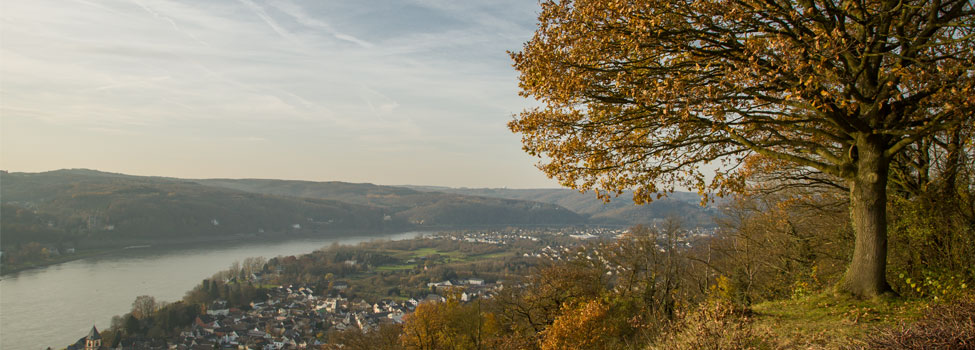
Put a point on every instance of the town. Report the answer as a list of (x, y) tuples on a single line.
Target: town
[(293, 317), (302, 315)]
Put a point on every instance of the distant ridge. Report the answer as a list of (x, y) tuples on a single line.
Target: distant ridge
[(82, 205), (620, 210), (422, 208), (423, 202)]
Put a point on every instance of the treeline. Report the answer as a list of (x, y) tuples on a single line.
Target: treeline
[(153, 322), (31, 239), (150, 322), (25, 225)]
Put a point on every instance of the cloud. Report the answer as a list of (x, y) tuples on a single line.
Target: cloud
[(353, 40), (379, 75), (171, 23), (267, 19), (378, 103), (304, 18)]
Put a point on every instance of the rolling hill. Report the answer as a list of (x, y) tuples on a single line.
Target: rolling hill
[(86, 204), (424, 203), (418, 207), (619, 211), (81, 204), (91, 205)]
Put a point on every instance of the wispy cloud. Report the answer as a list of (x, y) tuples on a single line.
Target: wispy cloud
[(259, 11), (302, 17), (171, 22), (379, 80)]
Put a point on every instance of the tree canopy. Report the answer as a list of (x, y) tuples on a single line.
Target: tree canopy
[(648, 94)]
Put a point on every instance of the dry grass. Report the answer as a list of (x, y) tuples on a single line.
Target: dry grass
[(827, 321), (821, 321), (714, 326), (947, 326)]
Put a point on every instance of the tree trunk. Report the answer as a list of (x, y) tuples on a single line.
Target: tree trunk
[(867, 274)]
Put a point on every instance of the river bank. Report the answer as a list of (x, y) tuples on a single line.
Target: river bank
[(101, 247), (54, 305)]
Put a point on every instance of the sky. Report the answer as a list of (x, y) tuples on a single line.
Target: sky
[(388, 92)]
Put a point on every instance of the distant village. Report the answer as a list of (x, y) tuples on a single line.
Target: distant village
[(556, 249), (293, 317), (297, 316)]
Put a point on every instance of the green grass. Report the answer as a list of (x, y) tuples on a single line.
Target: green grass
[(395, 267), (422, 252), (827, 321), (449, 256), (419, 253), (490, 256)]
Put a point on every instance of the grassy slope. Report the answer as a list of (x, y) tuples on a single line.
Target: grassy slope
[(825, 321)]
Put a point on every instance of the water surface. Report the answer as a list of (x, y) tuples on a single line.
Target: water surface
[(55, 305)]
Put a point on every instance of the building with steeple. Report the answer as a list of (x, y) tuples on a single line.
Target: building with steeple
[(92, 341)]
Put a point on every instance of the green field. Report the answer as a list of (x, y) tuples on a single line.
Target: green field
[(395, 267)]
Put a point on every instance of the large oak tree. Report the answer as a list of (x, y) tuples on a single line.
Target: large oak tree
[(637, 94)]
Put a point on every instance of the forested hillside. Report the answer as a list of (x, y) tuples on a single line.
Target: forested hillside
[(417, 207), (75, 205), (445, 205), (620, 210)]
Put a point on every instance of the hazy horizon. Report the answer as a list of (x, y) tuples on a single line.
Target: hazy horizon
[(285, 179), (394, 92)]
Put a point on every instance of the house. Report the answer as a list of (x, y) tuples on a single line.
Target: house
[(396, 316), (412, 304), (434, 298), (92, 341)]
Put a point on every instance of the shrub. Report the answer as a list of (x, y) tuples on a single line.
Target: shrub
[(714, 325), (933, 283), (932, 244)]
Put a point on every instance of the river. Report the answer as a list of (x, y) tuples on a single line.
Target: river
[(55, 305)]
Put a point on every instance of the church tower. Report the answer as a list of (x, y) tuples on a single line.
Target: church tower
[(94, 340)]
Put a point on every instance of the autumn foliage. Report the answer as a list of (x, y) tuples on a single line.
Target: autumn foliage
[(649, 95), (582, 325), (449, 325)]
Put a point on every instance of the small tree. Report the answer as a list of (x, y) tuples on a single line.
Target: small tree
[(641, 94), (144, 307)]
